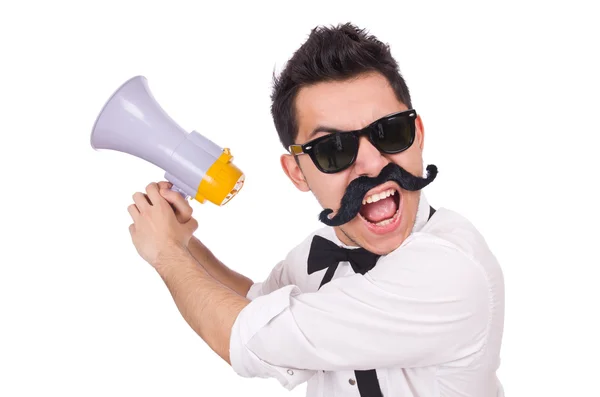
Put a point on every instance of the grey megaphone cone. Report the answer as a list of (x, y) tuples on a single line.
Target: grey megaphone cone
[(132, 122)]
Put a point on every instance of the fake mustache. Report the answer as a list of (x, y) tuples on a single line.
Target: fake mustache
[(356, 190)]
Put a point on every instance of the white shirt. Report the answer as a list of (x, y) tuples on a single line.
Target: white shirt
[(428, 317)]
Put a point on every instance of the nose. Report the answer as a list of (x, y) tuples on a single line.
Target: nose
[(369, 160)]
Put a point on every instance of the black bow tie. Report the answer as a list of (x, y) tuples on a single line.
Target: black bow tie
[(325, 254)]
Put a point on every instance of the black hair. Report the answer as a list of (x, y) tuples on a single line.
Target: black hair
[(334, 53)]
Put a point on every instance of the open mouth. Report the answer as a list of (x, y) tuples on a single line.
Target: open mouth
[(381, 209)]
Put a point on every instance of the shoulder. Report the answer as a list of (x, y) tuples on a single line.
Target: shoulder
[(447, 255), (450, 228)]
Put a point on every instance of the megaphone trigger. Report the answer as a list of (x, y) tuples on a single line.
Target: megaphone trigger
[(181, 192)]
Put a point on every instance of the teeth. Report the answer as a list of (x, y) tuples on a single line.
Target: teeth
[(378, 196), (383, 223)]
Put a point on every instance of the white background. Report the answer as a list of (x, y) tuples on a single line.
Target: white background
[(508, 92)]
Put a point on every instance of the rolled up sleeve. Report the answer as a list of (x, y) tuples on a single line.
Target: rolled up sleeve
[(251, 321), (424, 304)]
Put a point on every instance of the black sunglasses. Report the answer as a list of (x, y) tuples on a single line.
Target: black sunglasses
[(337, 151)]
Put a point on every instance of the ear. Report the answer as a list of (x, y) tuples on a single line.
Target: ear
[(420, 132), (293, 171)]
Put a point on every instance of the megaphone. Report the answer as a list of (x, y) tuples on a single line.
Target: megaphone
[(132, 122)]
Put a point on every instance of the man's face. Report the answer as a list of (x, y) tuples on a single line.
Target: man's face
[(352, 105)]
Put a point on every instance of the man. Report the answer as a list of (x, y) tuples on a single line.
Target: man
[(392, 297)]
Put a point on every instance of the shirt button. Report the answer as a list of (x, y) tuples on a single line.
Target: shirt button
[(289, 371), (351, 381)]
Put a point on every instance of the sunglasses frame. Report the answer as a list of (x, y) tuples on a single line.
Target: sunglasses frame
[(308, 147)]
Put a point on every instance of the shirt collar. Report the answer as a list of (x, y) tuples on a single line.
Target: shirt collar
[(422, 213)]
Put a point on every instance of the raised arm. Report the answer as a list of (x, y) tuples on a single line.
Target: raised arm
[(217, 269), (207, 305)]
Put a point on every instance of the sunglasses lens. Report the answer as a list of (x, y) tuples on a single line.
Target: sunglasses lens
[(335, 152), (394, 134)]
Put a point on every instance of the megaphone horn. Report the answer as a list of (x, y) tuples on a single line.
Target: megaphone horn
[(133, 122)]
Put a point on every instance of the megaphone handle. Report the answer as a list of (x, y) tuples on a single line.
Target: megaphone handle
[(174, 182), (181, 192)]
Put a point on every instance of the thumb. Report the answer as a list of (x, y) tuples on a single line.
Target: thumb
[(164, 185), (182, 207)]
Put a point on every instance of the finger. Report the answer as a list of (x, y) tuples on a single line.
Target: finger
[(164, 185), (131, 228), (153, 194), (141, 201), (133, 211), (181, 206)]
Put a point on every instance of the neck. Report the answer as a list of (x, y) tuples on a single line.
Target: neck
[(344, 237)]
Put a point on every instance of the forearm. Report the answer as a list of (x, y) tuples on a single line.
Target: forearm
[(207, 306), (237, 282)]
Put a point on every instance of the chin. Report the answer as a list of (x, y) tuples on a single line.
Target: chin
[(382, 244)]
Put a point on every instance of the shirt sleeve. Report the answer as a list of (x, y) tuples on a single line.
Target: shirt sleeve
[(273, 282), (282, 274), (426, 303)]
